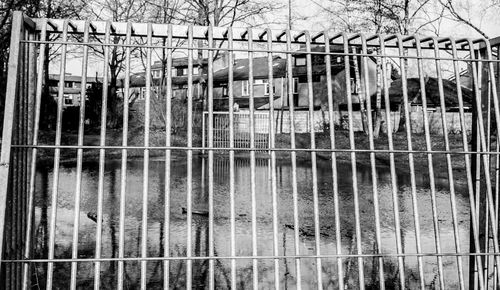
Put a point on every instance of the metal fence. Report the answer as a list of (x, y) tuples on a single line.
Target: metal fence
[(332, 210)]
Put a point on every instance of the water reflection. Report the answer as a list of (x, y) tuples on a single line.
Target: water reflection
[(177, 226)]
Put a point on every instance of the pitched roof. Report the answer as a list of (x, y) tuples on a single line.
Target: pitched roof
[(73, 78), (317, 69), (260, 69), (431, 91), (139, 80), (179, 62)]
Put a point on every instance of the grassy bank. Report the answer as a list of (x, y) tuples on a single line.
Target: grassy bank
[(400, 143), (283, 141)]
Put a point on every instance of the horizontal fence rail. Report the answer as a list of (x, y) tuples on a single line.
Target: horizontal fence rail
[(221, 157)]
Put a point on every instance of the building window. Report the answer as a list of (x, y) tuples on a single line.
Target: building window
[(180, 72), (225, 90), (300, 61), (174, 72), (266, 87), (295, 85), (245, 88), (195, 71), (68, 99), (68, 84), (264, 83)]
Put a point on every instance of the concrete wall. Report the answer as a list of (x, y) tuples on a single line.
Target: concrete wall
[(281, 121)]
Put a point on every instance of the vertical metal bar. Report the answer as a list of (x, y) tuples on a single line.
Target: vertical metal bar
[(449, 164), (476, 146), (211, 250), (274, 189), (28, 104), (252, 160), (145, 184), (9, 116), (26, 117), (216, 130), (13, 212), (102, 152), (494, 94), (409, 144), (168, 130), (78, 186), (294, 160), (203, 131), (123, 177), (496, 106), (472, 169), (30, 206), (354, 175), (497, 171), (486, 101), (374, 178), (338, 236), (437, 233), (57, 156), (231, 155), (403, 64), (314, 169), (189, 193), (467, 157)]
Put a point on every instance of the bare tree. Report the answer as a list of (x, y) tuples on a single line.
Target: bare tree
[(459, 11), (378, 16), (391, 16), (223, 13), (196, 12), (120, 11), (34, 8)]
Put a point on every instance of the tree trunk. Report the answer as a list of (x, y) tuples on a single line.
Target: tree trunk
[(114, 109), (361, 93), (48, 103), (402, 117), (378, 104), (113, 106)]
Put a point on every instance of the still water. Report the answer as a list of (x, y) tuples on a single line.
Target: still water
[(265, 239)]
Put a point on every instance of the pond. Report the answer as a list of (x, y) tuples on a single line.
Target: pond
[(243, 220)]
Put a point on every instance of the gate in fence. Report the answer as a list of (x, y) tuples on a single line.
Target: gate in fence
[(133, 206), (242, 130)]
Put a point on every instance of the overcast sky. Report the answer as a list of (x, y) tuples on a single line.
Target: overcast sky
[(476, 10)]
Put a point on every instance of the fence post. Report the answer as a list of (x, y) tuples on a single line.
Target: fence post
[(10, 100)]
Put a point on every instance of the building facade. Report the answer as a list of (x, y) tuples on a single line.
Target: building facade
[(72, 88)]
